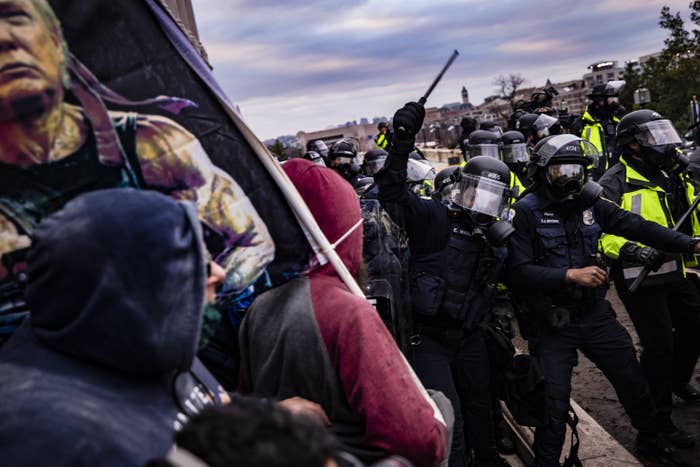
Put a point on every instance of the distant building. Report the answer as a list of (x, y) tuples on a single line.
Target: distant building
[(602, 72), (465, 95)]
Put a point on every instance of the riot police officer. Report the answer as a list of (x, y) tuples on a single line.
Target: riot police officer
[(650, 181), (468, 124), (598, 122), (454, 263), (342, 157), (553, 269), (516, 155)]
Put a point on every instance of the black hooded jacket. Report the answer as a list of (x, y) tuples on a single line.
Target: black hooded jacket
[(116, 291)]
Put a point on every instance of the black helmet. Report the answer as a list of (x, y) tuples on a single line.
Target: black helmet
[(341, 157), (374, 161), (513, 119), (482, 189), (656, 136), (318, 146), (484, 143), (468, 124), (444, 181), (560, 162), (515, 148), (609, 89), (491, 126), (538, 126), (314, 157)]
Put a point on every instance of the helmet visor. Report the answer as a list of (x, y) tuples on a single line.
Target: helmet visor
[(516, 153), (491, 150), (557, 172), (657, 133), (417, 171), (339, 161), (481, 195), (375, 165)]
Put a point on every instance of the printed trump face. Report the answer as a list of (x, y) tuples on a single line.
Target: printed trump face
[(32, 60)]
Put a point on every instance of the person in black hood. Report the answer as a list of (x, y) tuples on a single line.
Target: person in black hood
[(104, 369)]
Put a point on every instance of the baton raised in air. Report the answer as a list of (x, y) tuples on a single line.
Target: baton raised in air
[(645, 272), (437, 79)]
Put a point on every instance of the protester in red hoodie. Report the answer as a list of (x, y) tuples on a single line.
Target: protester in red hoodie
[(313, 338)]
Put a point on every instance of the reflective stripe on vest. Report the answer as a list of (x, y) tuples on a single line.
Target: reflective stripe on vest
[(382, 141)]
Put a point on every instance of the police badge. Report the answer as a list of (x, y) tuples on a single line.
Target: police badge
[(588, 217)]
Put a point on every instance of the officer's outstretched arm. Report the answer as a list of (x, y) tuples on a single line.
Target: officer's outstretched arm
[(172, 159), (634, 227)]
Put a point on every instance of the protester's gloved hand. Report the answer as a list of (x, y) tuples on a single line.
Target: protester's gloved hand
[(408, 121), (646, 256)]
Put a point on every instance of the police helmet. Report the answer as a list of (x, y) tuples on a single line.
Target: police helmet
[(468, 124), (560, 162), (484, 143), (318, 146), (342, 157), (482, 189), (444, 182), (374, 161), (314, 157), (514, 117), (538, 126), (491, 126), (515, 148), (609, 89), (656, 136)]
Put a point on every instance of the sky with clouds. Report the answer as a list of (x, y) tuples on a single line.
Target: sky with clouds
[(304, 65)]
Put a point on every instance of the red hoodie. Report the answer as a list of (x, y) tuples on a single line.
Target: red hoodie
[(313, 338)]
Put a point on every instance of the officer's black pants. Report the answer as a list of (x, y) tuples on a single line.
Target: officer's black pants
[(606, 343), (667, 320), (461, 374)]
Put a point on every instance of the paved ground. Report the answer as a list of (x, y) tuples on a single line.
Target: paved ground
[(595, 394)]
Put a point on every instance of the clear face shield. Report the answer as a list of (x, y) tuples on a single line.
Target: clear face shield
[(491, 150), (374, 166), (481, 195), (546, 126), (341, 161), (517, 152), (657, 133)]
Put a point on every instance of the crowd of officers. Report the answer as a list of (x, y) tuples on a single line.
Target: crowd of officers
[(530, 227)]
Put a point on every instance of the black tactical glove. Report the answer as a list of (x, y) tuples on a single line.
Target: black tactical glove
[(408, 121), (646, 256)]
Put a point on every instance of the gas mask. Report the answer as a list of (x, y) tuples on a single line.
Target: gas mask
[(565, 180), (658, 141)]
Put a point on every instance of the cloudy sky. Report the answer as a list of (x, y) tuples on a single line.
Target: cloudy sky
[(304, 65)]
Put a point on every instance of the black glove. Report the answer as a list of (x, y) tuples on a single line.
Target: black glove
[(646, 256), (408, 121)]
